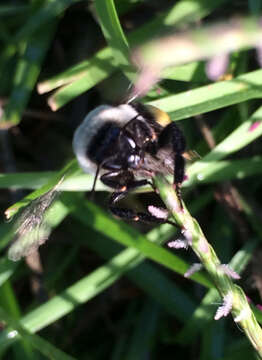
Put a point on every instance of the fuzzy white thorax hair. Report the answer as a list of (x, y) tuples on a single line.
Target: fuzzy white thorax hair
[(92, 122)]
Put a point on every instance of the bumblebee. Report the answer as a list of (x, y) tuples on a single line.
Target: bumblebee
[(127, 145)]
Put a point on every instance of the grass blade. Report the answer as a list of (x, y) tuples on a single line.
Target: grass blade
[(7, 268), (43, 346), (65, 173), (247, 132), (81, 77), (113, 33), (215, 172), (27, 71), (213, 96), (126, 235)]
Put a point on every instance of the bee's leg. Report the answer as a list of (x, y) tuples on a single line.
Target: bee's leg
[(129, 214), (179, 169), (123, 182), (172, 134)]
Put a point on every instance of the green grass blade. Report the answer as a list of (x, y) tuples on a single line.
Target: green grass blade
[(32, 180), (92, 284), (27, 71), (193, 72), (247, 132), (97, 68), (147, 276), (49, 12), (65, 173), (113, 33), (82, 291), (92, 77), (141, 339), (201, 43), (240, 350), (218, 171), (215, 172), (79, 181), (213, 340), (6, 58), (185, 11), (95, 217), (213, 96), (7, 268), (7, 10), (83, 76), (93, 70), (43, 346), (9, 302)]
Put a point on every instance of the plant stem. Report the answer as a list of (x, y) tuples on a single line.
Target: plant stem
[(241, 310)]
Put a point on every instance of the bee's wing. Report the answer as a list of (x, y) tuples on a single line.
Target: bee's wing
[(191, 155)]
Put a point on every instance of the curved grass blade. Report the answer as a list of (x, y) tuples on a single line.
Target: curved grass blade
[(113, 33)]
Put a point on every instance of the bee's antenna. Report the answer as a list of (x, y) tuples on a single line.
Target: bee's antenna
[(132, 98), (94, 183), (132, 95)]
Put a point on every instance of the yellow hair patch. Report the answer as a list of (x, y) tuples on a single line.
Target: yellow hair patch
[(160, 116)]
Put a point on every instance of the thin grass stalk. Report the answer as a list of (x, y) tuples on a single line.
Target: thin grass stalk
[(240, 309)]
